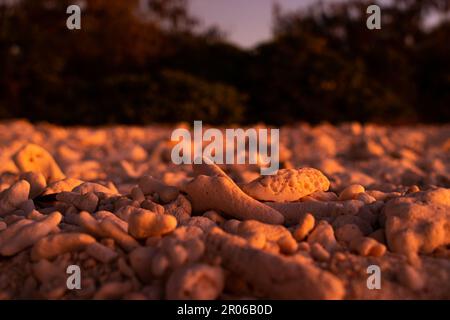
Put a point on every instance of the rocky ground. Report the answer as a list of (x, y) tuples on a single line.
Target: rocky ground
[(110, 201)]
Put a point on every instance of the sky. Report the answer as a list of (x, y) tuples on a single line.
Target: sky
[(246, 22)]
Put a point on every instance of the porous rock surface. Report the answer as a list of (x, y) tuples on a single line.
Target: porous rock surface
[(110, 201)]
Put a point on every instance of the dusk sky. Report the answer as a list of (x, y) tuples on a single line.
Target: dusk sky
[(246, 22)]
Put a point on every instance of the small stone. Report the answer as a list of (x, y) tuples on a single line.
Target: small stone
[(36, 159)]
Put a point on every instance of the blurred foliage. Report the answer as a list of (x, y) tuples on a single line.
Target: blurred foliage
[(149, 61)]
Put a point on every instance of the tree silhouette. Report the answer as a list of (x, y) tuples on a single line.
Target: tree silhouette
[(143, 61)]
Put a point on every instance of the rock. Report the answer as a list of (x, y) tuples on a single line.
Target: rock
[(411, 278), (319, 253), (12, 198), (287, 185), (36, 159), (344, 219), (67, 185), (37, 182), (87, 202), (418, 223), (351, 192), (347, 232), (323, 234), (222, 194), (144, 223), (86, 187), (195, 282)]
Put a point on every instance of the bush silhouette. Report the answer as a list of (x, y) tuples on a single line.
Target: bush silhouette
[(156, 65)]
